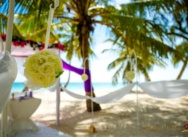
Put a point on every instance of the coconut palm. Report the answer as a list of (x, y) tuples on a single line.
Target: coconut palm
[(181, 56), (3, 24), (134, 30), (177, 16), (153, 25), (141, 65)]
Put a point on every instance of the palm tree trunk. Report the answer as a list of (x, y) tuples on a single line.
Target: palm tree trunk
[(182, 70), (87, 85), (84, 37), (96, 107)]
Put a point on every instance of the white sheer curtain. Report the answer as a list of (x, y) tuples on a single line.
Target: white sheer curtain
[(166, 89)]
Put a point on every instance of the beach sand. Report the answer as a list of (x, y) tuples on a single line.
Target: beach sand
[(152, 117)]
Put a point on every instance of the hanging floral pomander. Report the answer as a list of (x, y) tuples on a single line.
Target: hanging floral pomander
[(42, 69), (130, 75), (84, 77)]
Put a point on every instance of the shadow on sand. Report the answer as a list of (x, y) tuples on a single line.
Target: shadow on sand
[(153, 117)]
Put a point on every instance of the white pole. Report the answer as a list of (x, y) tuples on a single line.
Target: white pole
[(58, 99), (58, 103), (50, 18), (8, 48), (10, 25)]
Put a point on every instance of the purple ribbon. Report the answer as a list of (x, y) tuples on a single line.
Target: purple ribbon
[(79, 71)]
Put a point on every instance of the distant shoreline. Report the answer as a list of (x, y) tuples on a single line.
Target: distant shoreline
[(73, 86)]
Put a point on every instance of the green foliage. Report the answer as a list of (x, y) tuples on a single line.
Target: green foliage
[(150, 28)]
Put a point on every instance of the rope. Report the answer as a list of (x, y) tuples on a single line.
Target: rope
[(130, 61), (137, 100)]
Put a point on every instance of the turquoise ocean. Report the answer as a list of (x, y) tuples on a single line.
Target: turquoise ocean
[(18, 87)]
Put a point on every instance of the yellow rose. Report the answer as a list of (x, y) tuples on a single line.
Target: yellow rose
[(46, 52), (41, 59), (50, 80), (52, 58), (46, 69), (58, 67)]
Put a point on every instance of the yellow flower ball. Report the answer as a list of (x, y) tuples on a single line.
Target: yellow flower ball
[(42, 69), (84, 77), (130, 75)]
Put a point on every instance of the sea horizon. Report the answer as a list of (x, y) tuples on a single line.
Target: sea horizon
[(18, 87)]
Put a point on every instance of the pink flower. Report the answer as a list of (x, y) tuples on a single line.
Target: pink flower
[(42, 47), (186, 126), (22, 43), (3, 36), (15, 43), (60, 46)]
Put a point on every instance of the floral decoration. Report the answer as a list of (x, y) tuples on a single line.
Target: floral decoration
[(42, 69), (186, 126), (130, 75), (84, 77), (17, 41)]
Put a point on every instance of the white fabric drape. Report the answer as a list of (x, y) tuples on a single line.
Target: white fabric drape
[(20, 61), (115, 95), (161, 89), (18, 51), (8, 73), (23, 52), (166, 89), (75, 95), (111, 97)]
